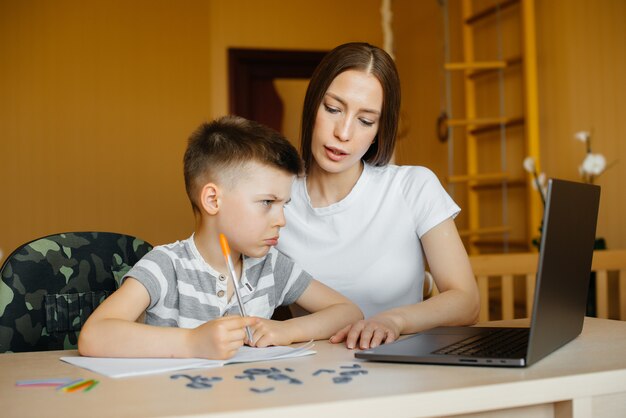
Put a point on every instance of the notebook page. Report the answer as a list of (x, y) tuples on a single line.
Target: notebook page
[(127, 367)]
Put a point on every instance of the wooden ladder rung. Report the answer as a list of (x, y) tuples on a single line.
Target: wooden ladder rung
[(489, 11), (477, 121), (484, 65), (482, 177), (510, 62), (490, 185), (496, 126)]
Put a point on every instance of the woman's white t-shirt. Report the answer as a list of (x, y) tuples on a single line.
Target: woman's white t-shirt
[(367, 246)]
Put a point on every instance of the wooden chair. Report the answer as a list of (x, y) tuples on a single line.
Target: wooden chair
[(506, 281), (605, 262), (501, 272)]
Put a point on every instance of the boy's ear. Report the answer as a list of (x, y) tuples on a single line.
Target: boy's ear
[(210, 198)]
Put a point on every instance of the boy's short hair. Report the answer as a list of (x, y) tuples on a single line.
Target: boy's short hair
[(215, 149)]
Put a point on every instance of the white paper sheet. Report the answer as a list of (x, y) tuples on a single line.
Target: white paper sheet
[(127, 367)]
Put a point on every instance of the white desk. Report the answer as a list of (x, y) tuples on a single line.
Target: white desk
[(585, 378)]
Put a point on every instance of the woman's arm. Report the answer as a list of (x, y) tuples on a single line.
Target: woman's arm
[(111, 331), (330, 311), (456, 304)]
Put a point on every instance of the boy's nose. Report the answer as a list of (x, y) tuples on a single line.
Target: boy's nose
[(281, 220)]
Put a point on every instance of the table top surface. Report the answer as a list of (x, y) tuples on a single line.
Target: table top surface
[(593, 363)]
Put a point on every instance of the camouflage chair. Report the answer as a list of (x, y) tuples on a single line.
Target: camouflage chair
[(52, 284)]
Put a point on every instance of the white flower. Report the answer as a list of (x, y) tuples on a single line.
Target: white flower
[(541, 179), (593, 164), (582, 136), (540, 182), (529, 164)]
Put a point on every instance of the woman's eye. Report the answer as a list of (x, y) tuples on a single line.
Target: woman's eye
[(367, 122), (267, 202), (331, 109)]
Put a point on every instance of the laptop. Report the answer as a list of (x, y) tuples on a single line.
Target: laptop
[(566, 251)]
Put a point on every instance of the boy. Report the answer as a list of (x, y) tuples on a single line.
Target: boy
[(238, 176)]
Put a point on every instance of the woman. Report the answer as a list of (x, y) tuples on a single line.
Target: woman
[(361, 225)]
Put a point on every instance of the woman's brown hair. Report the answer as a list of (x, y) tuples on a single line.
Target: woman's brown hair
[(364, 57)]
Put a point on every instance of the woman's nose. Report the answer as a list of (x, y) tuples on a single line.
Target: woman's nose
[(343, 129)]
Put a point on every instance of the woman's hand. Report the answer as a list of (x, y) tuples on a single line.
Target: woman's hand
[(369, 333)]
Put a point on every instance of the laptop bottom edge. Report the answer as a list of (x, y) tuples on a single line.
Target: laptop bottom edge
[(442, 360)]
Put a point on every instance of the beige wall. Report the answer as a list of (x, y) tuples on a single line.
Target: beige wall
[(582, 75)]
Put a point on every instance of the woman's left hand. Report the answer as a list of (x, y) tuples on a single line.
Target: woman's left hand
[(368, 333)]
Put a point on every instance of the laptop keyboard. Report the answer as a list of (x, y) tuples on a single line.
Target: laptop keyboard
[(507, 342)]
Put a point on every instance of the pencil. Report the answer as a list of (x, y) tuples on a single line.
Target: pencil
[(93, 385), (79, 386), (44, 382), (70, 384), (232, 273)]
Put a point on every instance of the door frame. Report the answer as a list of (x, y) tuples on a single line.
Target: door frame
[(247, 65)]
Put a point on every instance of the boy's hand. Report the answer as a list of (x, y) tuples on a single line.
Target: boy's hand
[(368, 333), (220, 338), (267, 332)]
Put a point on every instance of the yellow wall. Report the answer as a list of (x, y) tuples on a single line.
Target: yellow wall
[(581, 68), (418, 35), (97, 100), (302, 24), (582, 75)]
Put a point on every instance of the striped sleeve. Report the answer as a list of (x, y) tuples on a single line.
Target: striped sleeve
[(154, 271), (291, 280)]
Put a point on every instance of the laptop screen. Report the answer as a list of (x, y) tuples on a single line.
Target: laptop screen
[(566, 252)]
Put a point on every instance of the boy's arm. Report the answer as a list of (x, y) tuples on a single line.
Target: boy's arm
[(111, 331), (330, 311)]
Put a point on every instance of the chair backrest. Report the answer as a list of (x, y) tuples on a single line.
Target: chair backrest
[(50, 286), (610, 269), (496, 275), (507, 284)]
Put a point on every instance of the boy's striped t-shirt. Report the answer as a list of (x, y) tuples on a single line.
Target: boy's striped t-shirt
[(186, 292)]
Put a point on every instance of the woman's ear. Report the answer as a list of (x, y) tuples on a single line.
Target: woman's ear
[(210, 198)]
